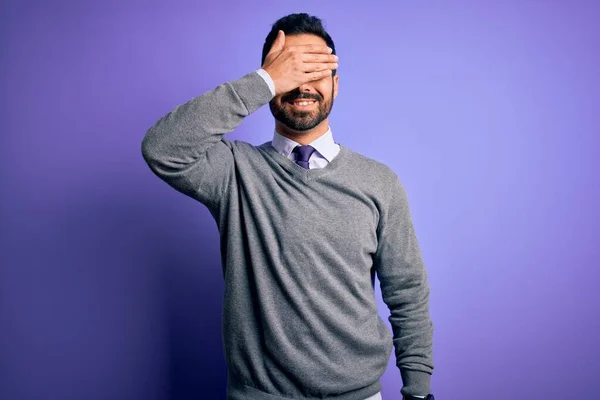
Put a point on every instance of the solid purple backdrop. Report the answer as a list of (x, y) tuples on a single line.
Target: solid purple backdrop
[(111, 284)]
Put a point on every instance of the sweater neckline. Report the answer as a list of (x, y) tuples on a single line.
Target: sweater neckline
[(303, 173)]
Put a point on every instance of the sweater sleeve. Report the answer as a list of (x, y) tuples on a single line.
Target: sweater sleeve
[(185, 148), (405, 290)]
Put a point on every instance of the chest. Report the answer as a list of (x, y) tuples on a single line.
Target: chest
[(321, 215)]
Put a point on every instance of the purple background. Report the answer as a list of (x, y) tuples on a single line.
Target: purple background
[(111, 285)]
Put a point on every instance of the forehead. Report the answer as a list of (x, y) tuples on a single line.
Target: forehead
[(304, 38)]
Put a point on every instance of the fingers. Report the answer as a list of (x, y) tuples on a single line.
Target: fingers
[(311, 67), (310, 48), (315, 76), (310, 57), (279, 44), (319, 62)]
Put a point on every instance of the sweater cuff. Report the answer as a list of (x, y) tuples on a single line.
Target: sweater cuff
[(252, 90), (415, 383)]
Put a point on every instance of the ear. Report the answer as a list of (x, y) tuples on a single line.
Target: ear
[(336, 78)]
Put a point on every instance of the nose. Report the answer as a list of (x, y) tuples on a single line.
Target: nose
[(305, 87)]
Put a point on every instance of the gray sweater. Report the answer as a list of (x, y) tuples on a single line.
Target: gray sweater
[(299, 250)]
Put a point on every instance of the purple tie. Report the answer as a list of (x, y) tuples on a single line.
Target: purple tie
[(303, 154)]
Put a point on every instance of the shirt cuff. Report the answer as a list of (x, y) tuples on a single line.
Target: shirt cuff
[(265, 75)]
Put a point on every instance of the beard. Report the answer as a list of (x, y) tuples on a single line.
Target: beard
[(301, 120)]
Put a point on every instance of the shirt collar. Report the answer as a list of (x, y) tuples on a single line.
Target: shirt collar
[(324, 144)]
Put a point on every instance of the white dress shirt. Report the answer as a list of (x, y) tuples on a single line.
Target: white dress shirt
[(326, 148)]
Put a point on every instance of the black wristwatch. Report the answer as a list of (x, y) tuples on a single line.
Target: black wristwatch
[(428, 397)]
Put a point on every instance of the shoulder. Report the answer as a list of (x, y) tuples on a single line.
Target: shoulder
[(373, 170)]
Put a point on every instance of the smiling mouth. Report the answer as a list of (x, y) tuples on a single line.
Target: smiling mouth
[(303, 104)]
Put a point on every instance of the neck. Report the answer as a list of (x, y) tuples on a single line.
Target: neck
[(302, 137)]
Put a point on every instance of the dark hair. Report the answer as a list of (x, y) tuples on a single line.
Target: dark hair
[(296, 24)]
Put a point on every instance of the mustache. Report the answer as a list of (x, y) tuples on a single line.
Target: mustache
[(302, 97)]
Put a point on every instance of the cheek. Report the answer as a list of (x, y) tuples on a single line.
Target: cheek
[(324, 89)]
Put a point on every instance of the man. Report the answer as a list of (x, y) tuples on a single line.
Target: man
[(305, 223)]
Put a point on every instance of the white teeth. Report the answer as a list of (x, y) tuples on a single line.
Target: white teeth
[(303, 103)]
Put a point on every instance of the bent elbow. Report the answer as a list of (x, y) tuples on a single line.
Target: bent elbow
[(150, 148)]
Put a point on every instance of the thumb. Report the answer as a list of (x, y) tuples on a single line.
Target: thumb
[(279, 41)]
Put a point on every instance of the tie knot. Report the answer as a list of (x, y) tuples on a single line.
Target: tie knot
[(303, 152)]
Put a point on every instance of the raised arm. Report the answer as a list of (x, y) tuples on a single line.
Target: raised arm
[(185, 147), (405, 290)]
